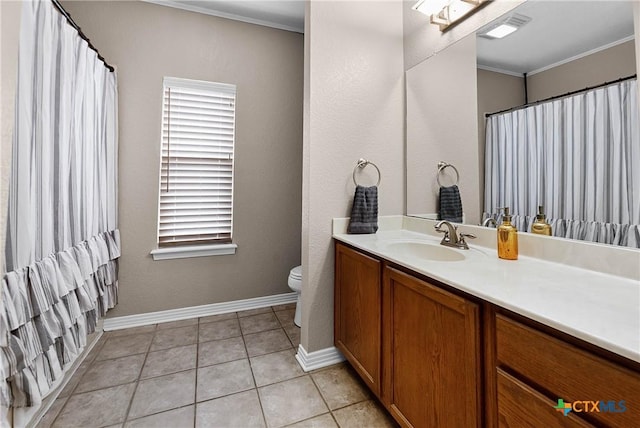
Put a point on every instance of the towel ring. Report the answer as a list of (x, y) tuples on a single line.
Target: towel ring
[(441, 167), (361, 164)]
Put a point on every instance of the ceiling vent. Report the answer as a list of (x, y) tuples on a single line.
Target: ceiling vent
[(504, 27)]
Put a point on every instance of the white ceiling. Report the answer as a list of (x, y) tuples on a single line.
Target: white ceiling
[(558, 30), (282, 14)]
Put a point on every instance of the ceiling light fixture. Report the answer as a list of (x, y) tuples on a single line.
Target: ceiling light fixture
[(446, 13), (504, 27), (501, 31)]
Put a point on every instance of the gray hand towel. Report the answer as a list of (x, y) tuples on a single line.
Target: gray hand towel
[(450, 204), (364, 213)]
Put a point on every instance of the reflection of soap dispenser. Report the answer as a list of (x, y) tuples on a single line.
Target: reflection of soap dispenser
[(507, 238), (540, 226)]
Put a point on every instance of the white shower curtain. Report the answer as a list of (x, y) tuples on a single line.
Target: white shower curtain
[(579, 156), (62, 239)]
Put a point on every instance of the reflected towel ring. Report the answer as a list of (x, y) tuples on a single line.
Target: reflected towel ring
[(441, 166), (361, 164)]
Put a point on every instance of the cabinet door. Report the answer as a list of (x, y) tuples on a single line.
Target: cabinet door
[(430, 353), (357, 315)]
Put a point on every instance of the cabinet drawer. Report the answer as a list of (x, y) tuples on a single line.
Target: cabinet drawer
[(521, 406), (561, 370)]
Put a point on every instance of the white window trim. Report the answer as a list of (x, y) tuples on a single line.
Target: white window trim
[(186, 252), (200, 84)]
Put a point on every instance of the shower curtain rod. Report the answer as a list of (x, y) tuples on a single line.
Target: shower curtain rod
[(71, 22), (622, 79)]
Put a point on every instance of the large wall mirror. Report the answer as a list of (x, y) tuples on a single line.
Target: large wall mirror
[(558, 48)]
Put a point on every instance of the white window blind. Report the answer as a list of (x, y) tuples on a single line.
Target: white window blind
[(196, 174)]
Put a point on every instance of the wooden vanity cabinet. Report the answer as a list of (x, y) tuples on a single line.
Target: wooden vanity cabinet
[(431, 354), (438, 359), (425, 365), (358, 312)]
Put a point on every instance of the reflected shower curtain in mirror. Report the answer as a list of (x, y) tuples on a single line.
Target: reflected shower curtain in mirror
[(62, 244), (579, 156)]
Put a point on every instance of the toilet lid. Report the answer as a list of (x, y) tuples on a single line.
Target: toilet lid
[(296, 272)]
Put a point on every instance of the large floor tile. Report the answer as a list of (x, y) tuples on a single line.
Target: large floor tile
[(283, 307), (339, 386), (219, 317), (163, 393), (293, 333), (97, 347), (171, 338), (291, 401), (221, 392), (96, 408), (129, 331), (275, 367), (251, 312), (364, 414), (118, 371), (176, 418), (286, 317), (116, 347), (221, 351), (75, 380), (168, 361), (219, 330), (257, 323), (223, 379), (322, 421), (176, 324), (266, 342), (240, 410)]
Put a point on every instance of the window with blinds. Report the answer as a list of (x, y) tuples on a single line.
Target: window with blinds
[(196, 174)]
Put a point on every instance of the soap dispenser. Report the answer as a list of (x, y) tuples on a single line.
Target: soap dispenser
[(507, 238), (540, 226)]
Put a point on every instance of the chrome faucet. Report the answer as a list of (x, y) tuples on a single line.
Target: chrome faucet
[(451, 237), (489, 221)]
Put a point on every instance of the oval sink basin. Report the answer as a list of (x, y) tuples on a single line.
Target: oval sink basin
[(427, 251)]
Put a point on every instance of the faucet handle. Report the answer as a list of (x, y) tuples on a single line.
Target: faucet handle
[(461, 239)]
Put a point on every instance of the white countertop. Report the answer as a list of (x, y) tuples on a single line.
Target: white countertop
[(599, 308)]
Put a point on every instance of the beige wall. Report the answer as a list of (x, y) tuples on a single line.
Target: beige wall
[(603, 66), (496, 91), (146, 42), (441, 99), (9, 33), (354, 88)]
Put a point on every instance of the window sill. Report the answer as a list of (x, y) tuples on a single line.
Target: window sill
[(193, 251)]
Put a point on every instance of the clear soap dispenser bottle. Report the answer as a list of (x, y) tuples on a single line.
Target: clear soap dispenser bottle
[(507, 238), (540, 226)]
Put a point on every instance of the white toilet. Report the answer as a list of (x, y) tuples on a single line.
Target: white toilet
[(295, 283)]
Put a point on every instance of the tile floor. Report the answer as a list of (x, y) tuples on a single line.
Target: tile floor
[(231, 370)]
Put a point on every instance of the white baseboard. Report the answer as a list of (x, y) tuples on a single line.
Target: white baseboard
[(128, 321), (318, 359)]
